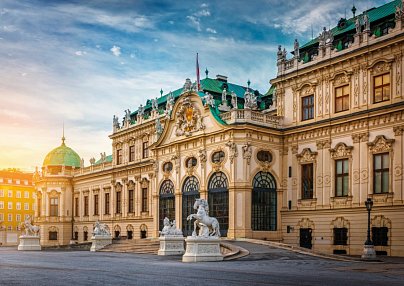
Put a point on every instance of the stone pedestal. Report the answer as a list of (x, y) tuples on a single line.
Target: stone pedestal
[(100, 241), (201, 249), (171, 245), (29, 243), (369, 252)]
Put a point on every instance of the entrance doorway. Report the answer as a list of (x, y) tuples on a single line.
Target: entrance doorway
[(306, 238)]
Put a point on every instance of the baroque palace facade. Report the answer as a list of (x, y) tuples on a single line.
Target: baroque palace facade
[(294, 165)]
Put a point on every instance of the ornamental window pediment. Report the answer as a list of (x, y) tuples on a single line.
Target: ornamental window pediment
[(381, 144), (340, 151), (306, 156), (380, 67)]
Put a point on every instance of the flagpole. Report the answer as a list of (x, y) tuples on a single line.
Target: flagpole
[(197, 73)]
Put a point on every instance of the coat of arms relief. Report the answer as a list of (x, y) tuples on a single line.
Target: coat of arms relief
[(188, 119)]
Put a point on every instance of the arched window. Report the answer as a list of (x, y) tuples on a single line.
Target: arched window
[(190, 192), (263, 210), (190, 162), (218, 198), (166, 202)]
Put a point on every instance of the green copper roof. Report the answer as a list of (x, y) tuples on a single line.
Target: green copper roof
[(213, 86), (374, 14), (108, 159), (62, 156)]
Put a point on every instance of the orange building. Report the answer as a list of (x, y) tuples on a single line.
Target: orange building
[(17, 198)]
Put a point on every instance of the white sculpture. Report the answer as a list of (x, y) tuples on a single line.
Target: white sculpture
[(169, 105), (209, 100), (233, 100), (101, 229), (169, 228), (250, 100), (159, 127), (30, 230), (115, 123), (208, 226), (140, 111), (155, 105)]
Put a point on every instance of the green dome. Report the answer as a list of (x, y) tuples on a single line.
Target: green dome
[(62, 155)]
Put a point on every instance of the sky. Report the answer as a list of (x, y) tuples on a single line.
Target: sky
[(77, 63)]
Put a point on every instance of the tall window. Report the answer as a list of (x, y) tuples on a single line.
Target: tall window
[(130, 206), (340, 236), (54, 204), (341, 177), (145, 150), (106, 204), (381, 173), (39, 206), (381, 88), (86, 206), (119, 156), (76, 204), (308, 107), (307, 181), (144, 200), (118, 202), (95, 204), (131, 153), (53, 235), (342, 98), (379, 236)]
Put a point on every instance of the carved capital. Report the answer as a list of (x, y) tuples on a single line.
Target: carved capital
[(398, 130)]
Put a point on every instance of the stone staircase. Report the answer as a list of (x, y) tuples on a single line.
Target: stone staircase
[(142, 246)]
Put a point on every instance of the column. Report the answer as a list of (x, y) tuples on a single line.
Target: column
[(398, 179), (364, 165)]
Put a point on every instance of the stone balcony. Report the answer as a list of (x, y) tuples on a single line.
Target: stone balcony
[(248, 116)]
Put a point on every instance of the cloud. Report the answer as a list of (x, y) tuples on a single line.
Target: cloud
[(203, 13), (195, 22), (80, 53), (210, 30), (116, 51)]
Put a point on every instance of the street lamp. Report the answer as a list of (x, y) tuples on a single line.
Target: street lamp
[(369, 252)]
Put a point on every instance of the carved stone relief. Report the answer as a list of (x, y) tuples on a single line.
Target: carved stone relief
[(306, 156), (233, 153), (188, 119), (381, 144), (341, 151)]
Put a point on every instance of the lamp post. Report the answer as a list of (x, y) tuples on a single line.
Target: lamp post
[(369, 252)]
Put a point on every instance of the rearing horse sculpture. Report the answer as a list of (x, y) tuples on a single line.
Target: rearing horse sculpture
[(208, 226)]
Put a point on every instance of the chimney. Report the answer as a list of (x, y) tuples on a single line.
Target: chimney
[(222, 78)]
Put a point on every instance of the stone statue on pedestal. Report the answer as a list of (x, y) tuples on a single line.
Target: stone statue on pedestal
[(208, 226)]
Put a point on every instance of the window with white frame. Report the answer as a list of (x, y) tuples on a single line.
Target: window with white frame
[(18, 217), (10, 193), (10, 217), (1, 193), (10, 205), (1, 205), (18, 194), (26, 195), (17, 181), (18, 206), (26, 206)]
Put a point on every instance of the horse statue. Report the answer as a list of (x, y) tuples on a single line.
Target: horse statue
[(101, 229), (30, 230), (208, 226)]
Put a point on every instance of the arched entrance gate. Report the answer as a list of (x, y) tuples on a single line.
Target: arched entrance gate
[(218, 199), (166, 202), (190, 192), (263, 209)]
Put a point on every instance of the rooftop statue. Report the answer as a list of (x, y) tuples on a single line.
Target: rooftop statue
[(208, 226), (140, 111), (169, 105), (208, 100), (155, 105), (30, 230), (100, 229), (233, 100), (169, 228)]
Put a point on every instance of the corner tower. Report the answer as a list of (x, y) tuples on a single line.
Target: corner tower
[(54, 188)]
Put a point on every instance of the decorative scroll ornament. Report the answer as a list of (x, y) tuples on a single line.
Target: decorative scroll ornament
[(381, 144), (341, 151), (188, 120)]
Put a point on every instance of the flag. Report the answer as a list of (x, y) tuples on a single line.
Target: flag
[(197, 73)]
